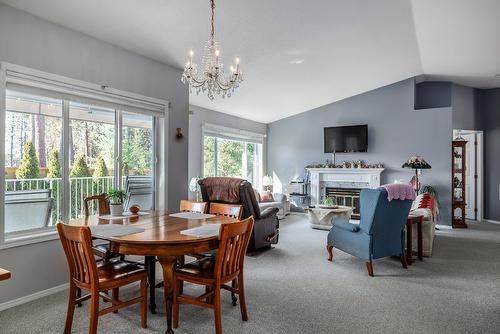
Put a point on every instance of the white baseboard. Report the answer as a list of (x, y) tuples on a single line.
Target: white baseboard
[(34, 296), (491, 221)]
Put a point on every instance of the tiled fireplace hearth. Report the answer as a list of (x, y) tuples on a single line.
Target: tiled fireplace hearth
[(343, 183)]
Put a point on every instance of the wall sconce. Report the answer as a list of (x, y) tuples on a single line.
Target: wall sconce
[(178, 133)]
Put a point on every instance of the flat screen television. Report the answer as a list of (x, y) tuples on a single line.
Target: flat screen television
[(342, 139)]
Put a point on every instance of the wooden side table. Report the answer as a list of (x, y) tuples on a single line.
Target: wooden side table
[(413, 219)]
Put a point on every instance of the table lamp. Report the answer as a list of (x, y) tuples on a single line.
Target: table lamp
[(267, 182), (417, 163)]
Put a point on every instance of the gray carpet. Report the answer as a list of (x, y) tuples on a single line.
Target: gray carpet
[(293, 289)]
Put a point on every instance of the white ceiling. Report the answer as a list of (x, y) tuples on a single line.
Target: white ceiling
[(297, 55)]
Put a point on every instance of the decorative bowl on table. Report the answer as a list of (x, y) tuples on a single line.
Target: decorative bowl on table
[(135, 209)]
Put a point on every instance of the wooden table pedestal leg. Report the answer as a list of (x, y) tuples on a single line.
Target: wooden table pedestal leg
[(420, 238), (168, 264), (151, 268), (409, 240)]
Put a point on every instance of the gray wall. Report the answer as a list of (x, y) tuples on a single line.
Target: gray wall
[(467, 108), (433, 94), (395, 132), (491, 112), (201, 115), (29, 41)]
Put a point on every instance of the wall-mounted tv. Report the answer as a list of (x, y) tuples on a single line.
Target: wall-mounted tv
[(339, 139)]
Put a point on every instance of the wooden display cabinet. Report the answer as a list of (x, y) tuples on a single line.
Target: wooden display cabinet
[(458, 167)]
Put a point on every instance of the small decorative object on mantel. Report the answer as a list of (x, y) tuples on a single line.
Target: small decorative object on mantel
[(348, 164), (417, 163)]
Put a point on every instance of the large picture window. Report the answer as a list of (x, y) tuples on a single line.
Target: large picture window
[(60, 148), (224, 155)]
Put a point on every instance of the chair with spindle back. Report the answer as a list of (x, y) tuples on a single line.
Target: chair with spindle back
[(189, 206), (214, 273), (229, 210), (86, 274)]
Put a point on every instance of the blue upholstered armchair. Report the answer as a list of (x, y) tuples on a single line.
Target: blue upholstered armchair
[(380, 232)]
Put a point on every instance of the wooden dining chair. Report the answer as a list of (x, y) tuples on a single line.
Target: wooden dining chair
[(190, 206), (229, 210), (86, 274), (102, 204), (101, 250), (215, 273)]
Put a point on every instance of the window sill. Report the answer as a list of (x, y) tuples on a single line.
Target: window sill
[(27, 239)]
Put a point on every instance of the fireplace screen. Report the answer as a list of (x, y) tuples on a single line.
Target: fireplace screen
[(346, 197)]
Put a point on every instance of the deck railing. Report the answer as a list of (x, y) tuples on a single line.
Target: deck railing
[(80, 187)]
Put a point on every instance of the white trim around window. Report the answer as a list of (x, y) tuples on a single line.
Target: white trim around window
[(28, 80)]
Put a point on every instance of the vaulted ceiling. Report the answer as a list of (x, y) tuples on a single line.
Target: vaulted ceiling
[(298, 55)]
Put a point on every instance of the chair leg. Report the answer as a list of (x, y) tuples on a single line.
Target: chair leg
[(175, 302), (329, 249), (369, 266), (241, 293), (217, 310), (403, 261), (233, 295), (78, 295), (144, 303), (71, 308), (116, 295), (209, 299), (94, 312)]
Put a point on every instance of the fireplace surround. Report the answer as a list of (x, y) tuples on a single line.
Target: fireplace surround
[(343, 183)]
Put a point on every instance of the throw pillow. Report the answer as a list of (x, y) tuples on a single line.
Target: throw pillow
[(266, 196)]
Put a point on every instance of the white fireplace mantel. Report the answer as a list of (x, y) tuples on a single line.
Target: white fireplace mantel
[(348, 177)]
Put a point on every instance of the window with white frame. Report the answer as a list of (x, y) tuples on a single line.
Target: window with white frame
[(64, 142), (233, 153)]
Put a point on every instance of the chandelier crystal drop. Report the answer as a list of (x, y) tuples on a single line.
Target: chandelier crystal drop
[(210, 78)]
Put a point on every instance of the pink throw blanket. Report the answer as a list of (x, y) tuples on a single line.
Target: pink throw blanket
[(399, 191)]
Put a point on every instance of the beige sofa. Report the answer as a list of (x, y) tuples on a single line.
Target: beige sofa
[(421, 206)]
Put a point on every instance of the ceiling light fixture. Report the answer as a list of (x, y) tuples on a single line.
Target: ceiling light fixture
[(211, 78)]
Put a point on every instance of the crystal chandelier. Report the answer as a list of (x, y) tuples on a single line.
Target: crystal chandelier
[(211, 78)]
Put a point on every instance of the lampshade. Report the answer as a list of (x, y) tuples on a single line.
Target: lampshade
[(267, 181), (416, 162)]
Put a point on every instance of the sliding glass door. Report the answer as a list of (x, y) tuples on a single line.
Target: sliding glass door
[(105, 146), (91, 153)]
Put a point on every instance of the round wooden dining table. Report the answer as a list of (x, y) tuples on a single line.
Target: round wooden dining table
[(156, 235)]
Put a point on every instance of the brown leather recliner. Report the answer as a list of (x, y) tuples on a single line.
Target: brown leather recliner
[(266, 226)]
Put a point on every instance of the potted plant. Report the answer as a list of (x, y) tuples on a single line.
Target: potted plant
[(116, 198), (329, 203)]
